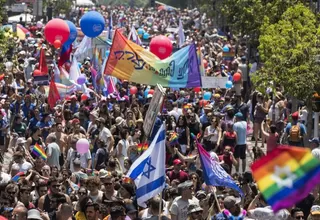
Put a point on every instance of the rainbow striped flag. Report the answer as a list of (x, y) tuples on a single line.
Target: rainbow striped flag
[(129, 61), (228, 56), (173, 138), (286, 175), (142, 147), (18, 176), (38, 151)]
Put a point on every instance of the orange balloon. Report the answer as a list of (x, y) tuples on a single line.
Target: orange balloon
[(57, 44)]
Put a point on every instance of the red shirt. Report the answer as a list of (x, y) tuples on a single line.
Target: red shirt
[(181, 176)]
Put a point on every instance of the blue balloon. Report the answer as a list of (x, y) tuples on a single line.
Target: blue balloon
[(107, 53), (225, 49), (229, 85), (207, 96), (92, 24), (146, 36), (146, 93), (73, 33), (140, 31)]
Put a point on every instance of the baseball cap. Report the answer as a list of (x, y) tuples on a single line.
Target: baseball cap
[(230, 201), (194, 208), (295, 115), (185, 185), (176, 162), (21, 141), (104, 174), (315, 210), (34, 214), (239, 115), (315, 140)]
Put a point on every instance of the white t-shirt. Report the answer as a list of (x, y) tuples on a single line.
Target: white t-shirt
[(179, 207), (73, 154), (24, 167), (304, 115), (104, 135), (266, 213), (5, 178), (316, 153)]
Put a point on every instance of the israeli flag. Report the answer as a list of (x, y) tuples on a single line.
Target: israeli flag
[(148, 171)]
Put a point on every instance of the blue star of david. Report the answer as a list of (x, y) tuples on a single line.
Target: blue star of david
[(149, 167)]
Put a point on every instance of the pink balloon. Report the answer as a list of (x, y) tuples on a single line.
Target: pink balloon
[(82, 146)]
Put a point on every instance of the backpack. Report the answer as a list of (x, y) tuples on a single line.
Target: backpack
[(294, 134)]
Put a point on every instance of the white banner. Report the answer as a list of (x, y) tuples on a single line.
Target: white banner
[(213, 82)]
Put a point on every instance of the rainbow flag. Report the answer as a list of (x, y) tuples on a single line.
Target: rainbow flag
[(142, 147), (127, 180), (228, 56), (129, 61), (38, 151), (173, 138), (18, 176), (286, 175)]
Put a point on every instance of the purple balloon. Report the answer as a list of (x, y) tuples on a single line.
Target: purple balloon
[(81, 79), (82, 146)]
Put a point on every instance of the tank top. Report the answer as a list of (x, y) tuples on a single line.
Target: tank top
[(259, 113), (214, 131), (47, 204), (182, 135), (229, 139)]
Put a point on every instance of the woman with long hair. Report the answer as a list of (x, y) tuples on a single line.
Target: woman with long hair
[(183, 131), (212, 135)]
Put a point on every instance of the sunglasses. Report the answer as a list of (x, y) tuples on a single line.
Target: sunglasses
[(11, 193), (107, 184), (82, 193)]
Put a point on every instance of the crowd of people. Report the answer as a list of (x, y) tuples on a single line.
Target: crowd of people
[(69, 185)]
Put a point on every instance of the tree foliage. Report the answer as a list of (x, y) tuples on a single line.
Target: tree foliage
[(245, 17), (288, 49)]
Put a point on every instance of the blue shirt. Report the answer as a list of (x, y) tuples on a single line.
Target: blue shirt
[(33, 122), (26, 109), (240, 128), (303, 130), (42, 124), (204, 119)]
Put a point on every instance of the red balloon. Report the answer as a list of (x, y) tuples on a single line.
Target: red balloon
[(161, 46), (36, 72), (197, 89), (205, 63), (84, 97), (151, 91), (133, 90), (203, 103), (57, 44), (236, 77), (56, 29)]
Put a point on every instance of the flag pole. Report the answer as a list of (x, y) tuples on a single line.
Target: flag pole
[(216, 199), (160, 206)]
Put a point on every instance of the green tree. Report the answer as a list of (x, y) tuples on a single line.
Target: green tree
[(245, 17), (288, 49)]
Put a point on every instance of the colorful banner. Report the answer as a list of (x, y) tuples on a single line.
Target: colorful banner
[(129, 61)]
